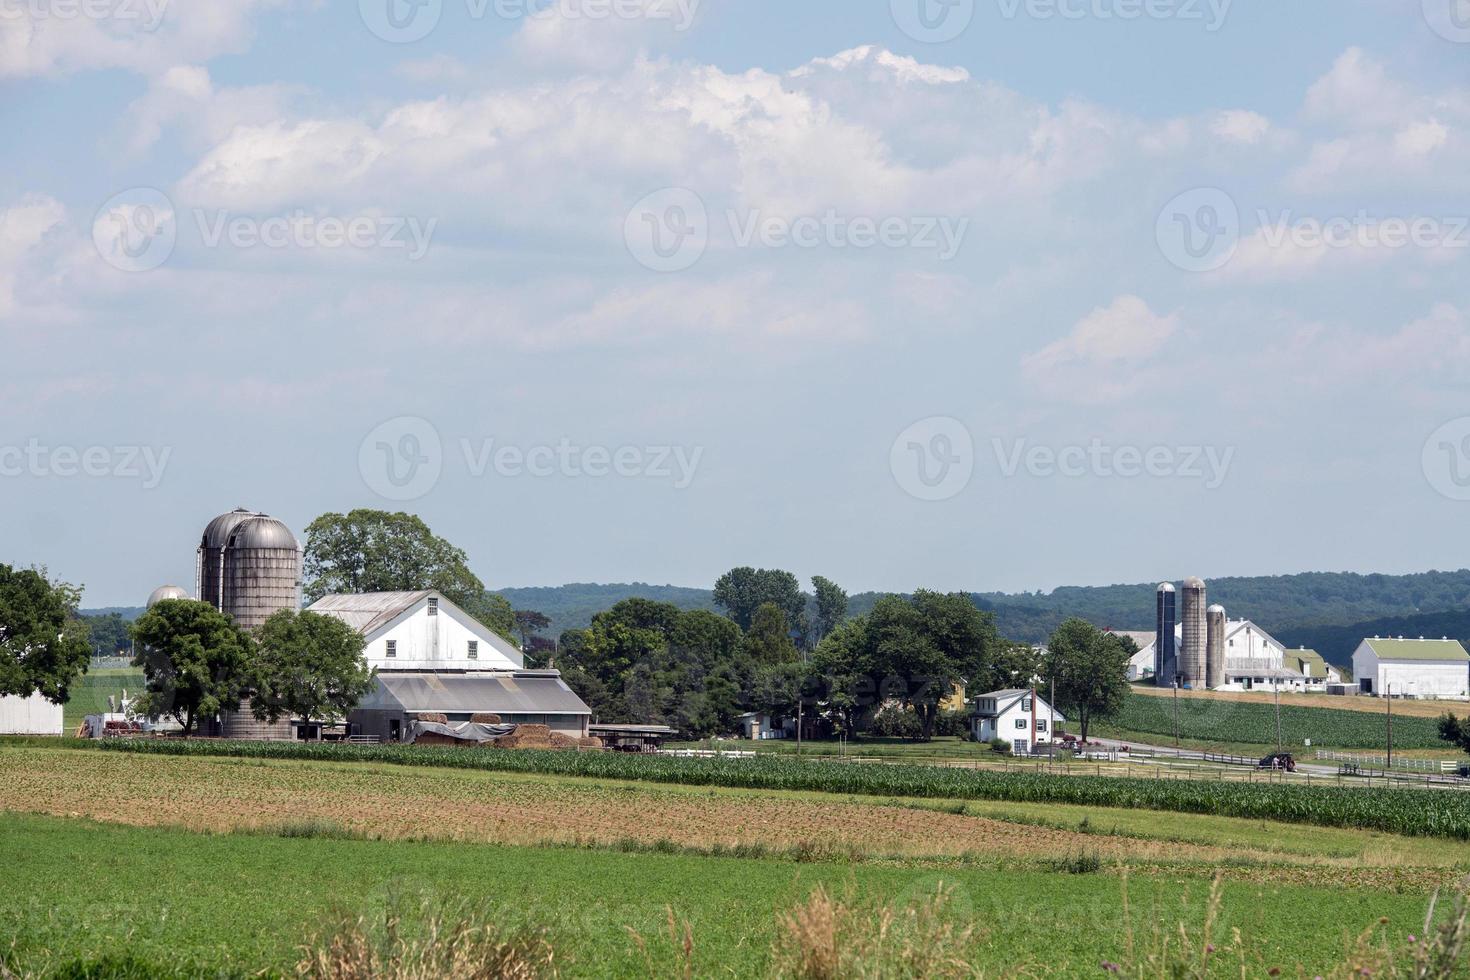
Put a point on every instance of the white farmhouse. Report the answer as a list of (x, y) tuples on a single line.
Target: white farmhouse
[(1412, 668), (1019, 717), (29, 716)]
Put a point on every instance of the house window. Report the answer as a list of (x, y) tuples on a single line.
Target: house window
[(433, 605), (1041, 724), (1021, 723), (1025, 704), (392, 649), (474, 649)]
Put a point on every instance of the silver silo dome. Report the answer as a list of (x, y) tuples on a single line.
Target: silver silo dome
[(165, 592), (249, 566)]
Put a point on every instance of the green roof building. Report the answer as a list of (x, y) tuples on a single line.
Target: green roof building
[(1401, 667)]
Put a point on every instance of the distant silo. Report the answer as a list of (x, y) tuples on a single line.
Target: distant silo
[(166, 592), (1195, 639), (249, 567), (1165, 660), (1215, 647)]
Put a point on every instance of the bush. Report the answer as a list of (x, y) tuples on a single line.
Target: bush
[(1000, 745), (953, 724)]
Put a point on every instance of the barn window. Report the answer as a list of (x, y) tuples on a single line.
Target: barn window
[(433, 605), (392, 648), (474, 649)]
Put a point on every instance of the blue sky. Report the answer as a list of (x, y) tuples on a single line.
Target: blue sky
[(1055, 295)]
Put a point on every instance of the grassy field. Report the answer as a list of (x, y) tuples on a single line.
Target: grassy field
[(217, 865), (1369, 705), (89, 693)]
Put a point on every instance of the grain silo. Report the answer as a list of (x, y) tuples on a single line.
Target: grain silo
[(1215, 647), (1165, 661), (249, 567), (1195, 638), (165, 592)]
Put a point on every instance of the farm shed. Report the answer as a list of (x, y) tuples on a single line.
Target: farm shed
[(1412, 668), (632, 738), (29, 716), (522, 697), (1017, 716)]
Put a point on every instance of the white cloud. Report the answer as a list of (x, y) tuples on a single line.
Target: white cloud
[(23, 225), (1241, 126), (1104, 358)]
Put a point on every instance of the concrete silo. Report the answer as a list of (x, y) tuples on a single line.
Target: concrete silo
[(1166, 663), (1215, 647), (1195, 638), (249, 567)]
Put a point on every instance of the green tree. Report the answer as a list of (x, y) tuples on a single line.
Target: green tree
[(196, 661), (108, 634), (1090, 671), (741, 591), (1008, 666), (831, 605), (1455, 731), (529, 622), (43, 645), (768, 640), (308, 666), (702, 637), (844, 663), (375, 551)]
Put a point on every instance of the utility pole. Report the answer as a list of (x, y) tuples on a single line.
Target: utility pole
[(798, 723), (1176, 713), (1278, 715), (1388, 703)]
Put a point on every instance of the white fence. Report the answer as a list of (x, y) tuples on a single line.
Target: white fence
[(1381, 762)]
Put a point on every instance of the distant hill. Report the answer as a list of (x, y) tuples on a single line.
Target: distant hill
[(128, 613), (1337, 643), (573, 606)]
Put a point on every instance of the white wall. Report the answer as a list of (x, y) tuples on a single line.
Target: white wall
[(1246, 646), (29, 716), (439, 642)]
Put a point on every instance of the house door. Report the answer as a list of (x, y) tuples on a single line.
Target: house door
[(1021, 746)]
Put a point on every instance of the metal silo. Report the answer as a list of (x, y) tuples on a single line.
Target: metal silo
[(165, 592), (1215, 647), (1195, 639), (249, 567), (1165, 660)]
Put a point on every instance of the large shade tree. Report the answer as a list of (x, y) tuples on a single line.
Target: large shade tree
[(1089, 669), (375, 551), (308, 666), (196, 661), (742, 591), (43, 645)]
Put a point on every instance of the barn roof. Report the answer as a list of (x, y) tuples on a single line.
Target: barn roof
[(510, 692), (1402, 649), (367, 611)]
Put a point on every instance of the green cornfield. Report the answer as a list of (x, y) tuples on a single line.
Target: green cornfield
[(1416, 812), (1221, 720)]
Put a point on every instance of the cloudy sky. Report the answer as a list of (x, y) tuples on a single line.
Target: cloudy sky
[(982, 294)]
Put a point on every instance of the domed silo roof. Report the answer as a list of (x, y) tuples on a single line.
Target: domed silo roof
[(1166, 587), (166, 592), (217, 531), (1194, 583), (262, 531), (1216, 608)]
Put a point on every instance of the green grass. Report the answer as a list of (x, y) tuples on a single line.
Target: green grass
[(1220, 720), (88, 696), (240, 904)]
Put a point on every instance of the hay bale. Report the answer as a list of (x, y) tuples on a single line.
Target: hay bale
[(560, 741), (589, 742), (434, 717), (485, 718)]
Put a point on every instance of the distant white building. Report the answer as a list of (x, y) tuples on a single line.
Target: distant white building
[(1412, 668), (1253, 659), (30, 716), (1141, 664), (1020, 717)]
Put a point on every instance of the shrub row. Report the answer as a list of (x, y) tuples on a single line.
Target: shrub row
[(1419, 812)]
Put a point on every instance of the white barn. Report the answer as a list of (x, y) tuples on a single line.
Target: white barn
[(29, 716), (1020, 717), (434, 658), (1412, 668)]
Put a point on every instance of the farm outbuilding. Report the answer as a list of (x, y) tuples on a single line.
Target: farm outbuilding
[(1412, 668), (29, 716), (522, 697)]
